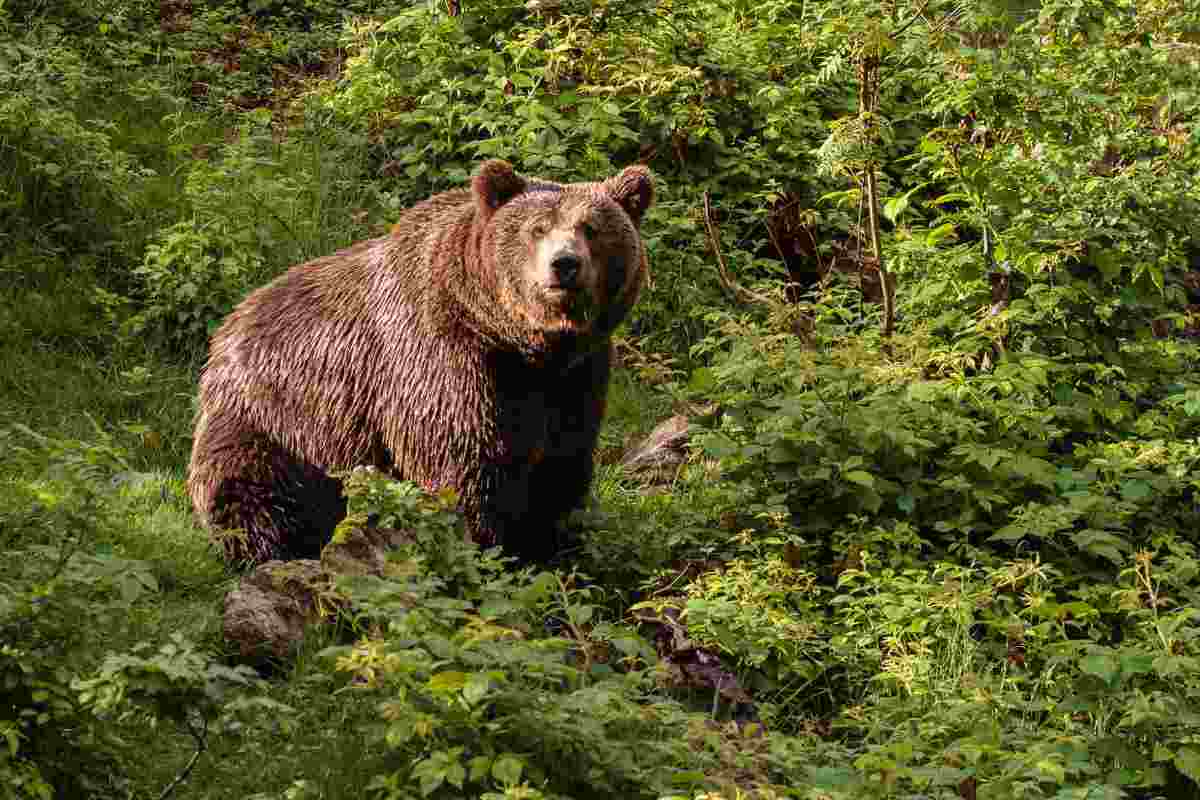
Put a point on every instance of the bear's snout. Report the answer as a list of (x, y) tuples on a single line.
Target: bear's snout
[(564, 270)]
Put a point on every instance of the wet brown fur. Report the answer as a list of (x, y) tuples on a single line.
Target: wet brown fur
[(441, 353)]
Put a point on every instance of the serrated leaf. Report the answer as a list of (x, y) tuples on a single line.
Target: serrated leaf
[(1101, 543)]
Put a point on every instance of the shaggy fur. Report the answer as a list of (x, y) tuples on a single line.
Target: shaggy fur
[(469, 348)]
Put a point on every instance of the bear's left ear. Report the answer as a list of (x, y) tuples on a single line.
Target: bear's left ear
[(633, 189), (494, 185)]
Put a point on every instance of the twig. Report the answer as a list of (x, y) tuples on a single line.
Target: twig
[(916, 16), (580, 637), (730, 285), (201, 745)]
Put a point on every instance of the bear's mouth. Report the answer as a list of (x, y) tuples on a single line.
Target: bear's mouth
[(561, 300)]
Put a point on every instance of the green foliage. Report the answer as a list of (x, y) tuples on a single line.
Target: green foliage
[(193, 280), (66, 689), (474, 691), (257, 208), (956, 564)]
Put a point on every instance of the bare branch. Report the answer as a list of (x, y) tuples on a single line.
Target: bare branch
[(201, 738), (735, 289)]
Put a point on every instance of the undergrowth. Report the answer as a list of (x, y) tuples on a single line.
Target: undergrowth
[(956, 561)]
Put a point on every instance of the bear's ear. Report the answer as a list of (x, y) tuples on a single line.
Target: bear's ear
[(494, 185), (633, 189)]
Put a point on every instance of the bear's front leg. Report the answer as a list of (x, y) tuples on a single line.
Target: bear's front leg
[(561, 472)]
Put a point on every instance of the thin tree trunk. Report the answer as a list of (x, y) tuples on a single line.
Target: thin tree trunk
[(868, 102)]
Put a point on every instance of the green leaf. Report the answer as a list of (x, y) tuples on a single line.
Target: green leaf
[(1107, 262), (445, 682), (906, 503), (1138, 663), (1187, 761), (703, 379), (718, 445), (431, 773), (1009, 533), (1104, 667), (1102, 543), (861, 477), (456, 774), (832, 777), (951, 197), (476, 688), (480, 767), (1135, 490), (507, 770), (941, 233), (580, 614), (1117, 748), (894, 207)]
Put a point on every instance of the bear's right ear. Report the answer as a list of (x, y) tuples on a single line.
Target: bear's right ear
[(633, 188), (494, 185)]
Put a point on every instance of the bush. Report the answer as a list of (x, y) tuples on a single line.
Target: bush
[(66, 689)]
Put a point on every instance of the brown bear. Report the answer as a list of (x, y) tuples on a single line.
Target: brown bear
[(470, 348)]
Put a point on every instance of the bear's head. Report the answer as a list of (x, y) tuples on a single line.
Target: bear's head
[(566, 259)]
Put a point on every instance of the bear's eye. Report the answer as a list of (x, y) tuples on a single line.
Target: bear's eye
[(589, 231), (538, 230)]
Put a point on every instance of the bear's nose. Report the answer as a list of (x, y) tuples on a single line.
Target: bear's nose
[(565, 267)]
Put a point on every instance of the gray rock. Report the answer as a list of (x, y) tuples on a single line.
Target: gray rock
[(663, 452), (265, 616), (267, 613)]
